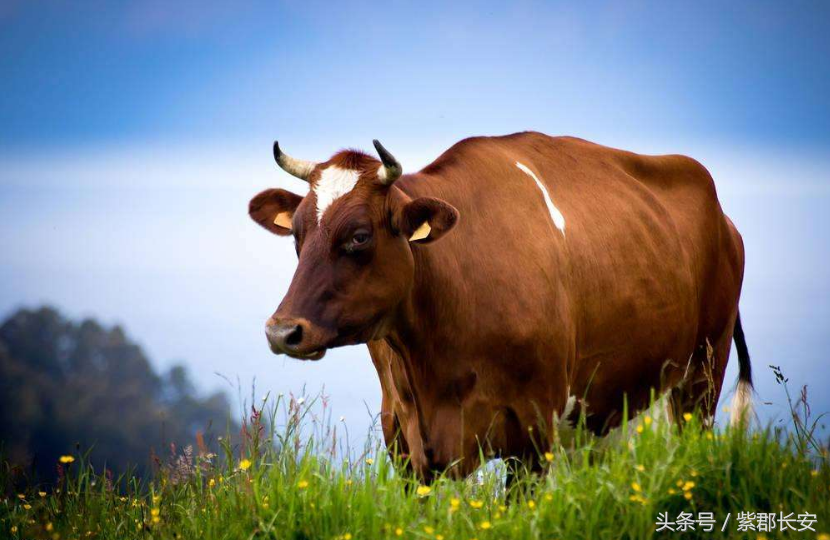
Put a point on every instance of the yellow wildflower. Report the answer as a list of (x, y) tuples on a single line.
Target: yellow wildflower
[(441, 537), (823, 536), (245, 464), (688, 485), (548, 497), (531, 504), (454, 502), (49, 527), (14, 528), (429, 530), (709, 436), (423, 491), (21, 496), (66, 459), (27, 506), (302, 484), (639, 428), (672, 491), (485, 525), (154, 512), (43, 493), (398, 532), (369, 461), (347, 536), (814, 472), (211, 482), (636, 487), (647, 420), (476, 504), (688, 495), (548, 456), (693, 473), (640, 468), (156, 519), (687, 417)]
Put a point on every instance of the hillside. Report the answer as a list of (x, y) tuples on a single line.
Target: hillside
[(79, 384), (291, 481)]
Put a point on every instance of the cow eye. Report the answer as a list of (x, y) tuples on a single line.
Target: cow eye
[(359, 240)]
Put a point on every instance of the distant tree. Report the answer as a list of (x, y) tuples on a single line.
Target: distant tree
[(65, 385)]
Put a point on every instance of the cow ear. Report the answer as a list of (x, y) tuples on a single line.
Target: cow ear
[(425, 219), (274, 210)]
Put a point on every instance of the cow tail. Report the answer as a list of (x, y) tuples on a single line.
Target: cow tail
[(742, 400)]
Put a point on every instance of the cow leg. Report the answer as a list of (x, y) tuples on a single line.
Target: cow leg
[(700, 390), (396, 444)]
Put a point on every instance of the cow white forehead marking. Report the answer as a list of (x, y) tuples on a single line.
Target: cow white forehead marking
[(334, 182), (555, 214)]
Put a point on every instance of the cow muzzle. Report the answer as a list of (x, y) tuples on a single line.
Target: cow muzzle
[(297, 338)]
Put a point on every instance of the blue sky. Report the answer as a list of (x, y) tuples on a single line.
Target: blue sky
[(133, 134)]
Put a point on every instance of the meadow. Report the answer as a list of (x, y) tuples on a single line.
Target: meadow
[(290, 476)]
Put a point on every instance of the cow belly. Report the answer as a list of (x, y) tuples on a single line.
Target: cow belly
[(648, 274), (642, 323), (641, 340)]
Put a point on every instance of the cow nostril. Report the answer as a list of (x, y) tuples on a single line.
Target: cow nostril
[(294, 336)]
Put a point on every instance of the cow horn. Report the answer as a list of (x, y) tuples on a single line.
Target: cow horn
[(295, 167), (390, 170)]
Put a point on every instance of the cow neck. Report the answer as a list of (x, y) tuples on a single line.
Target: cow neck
[(405, 327)]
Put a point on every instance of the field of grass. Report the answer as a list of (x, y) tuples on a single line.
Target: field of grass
[(282, 481)]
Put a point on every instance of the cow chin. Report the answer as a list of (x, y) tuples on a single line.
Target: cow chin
[(312, 356)]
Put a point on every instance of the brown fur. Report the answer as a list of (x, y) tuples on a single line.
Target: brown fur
[(479, 339)]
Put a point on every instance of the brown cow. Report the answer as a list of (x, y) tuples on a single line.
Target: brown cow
[(568, 273)]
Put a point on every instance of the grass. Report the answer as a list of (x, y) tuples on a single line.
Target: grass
[(286, 481)]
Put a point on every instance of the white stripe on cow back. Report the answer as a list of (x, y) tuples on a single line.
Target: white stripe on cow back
[(334, 182), (555, 214)]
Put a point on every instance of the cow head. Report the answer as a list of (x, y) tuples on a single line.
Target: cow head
[(353, 233)]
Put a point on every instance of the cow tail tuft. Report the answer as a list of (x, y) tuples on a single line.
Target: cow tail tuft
[(742, 400)]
